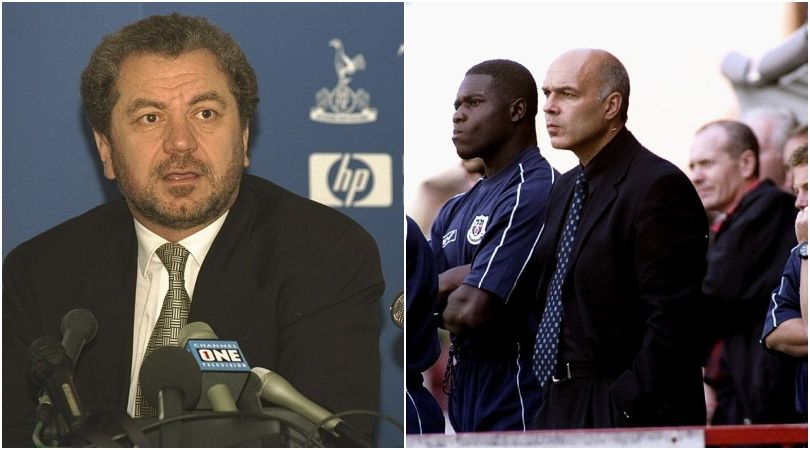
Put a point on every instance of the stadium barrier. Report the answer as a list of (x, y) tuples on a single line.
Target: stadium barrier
[(793, 435)]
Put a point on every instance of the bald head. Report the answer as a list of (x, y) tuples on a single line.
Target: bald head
[(599, 68), (586, 94)]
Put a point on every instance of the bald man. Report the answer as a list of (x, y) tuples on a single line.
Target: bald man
[(622, 258)]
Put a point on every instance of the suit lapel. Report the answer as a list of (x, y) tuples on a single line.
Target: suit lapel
[(226, 295), (604, 190)]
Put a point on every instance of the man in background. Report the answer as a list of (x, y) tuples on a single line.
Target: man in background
[(744, 262), (772, 127), (435, 191), (796, 140)]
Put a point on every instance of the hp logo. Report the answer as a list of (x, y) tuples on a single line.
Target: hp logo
[(351, 179)]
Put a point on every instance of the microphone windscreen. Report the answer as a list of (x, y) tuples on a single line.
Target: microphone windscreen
[(171, 368), (46, 356), (195, 330), (79, 326), (52, 369), (80, 321)]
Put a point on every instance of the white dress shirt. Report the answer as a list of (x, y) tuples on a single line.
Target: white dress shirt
[(153, 283)]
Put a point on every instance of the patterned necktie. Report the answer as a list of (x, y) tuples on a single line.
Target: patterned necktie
[(548, 333), (173, 315)]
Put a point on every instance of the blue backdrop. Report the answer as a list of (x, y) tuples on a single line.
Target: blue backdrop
[(332, 136)]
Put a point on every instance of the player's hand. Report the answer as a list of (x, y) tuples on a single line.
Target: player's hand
[(468, 308), (801, 225)]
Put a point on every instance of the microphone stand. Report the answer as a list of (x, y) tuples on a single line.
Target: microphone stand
[(171, 433)]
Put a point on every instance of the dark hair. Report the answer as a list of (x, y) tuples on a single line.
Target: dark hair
[(170, 36), (798, 157), (614, 78), (512, 80), (739, 138)]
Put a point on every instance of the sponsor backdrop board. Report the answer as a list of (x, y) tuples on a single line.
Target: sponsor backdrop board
[(329, 125)]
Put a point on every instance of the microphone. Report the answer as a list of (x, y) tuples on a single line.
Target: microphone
[(170, 381), (79, 327), (277, 390), (397, 310), (225, 371), (52, 369), (251, 398)]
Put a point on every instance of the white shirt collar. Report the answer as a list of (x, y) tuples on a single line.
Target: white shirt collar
[(197, 244)]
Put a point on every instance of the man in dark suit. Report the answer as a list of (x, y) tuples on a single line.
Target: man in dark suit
[(170, 99), (752, 235), (624, 276)]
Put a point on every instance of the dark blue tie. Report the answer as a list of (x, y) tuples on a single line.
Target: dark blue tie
[(548, 333)]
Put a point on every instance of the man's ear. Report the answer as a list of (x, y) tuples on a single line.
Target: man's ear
[(517, 110), (613, 103), (245, 140), (104, 148), (748, 163)]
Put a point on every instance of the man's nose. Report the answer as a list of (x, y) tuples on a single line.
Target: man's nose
[(458, 116), (550, 107), (801, 200), (179, 136)]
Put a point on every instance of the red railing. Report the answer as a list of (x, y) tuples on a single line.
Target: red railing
[(756, 435)]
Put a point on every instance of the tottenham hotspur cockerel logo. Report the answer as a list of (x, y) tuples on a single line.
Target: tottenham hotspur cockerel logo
[(343, 105)]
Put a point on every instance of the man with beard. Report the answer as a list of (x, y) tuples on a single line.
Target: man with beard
[(483, 240), (169, 100)]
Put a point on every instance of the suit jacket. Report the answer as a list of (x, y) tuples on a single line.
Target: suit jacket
[(294, 282), (632, 291), (752, 244)]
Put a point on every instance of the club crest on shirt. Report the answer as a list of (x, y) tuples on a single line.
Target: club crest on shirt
[(448, 238), (477, 230)]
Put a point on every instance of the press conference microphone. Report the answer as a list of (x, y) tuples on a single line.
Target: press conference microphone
[(225, 372), (79, 327), (170, 381), (52, 369), (397, 310), (251, 398), (277, 390)]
